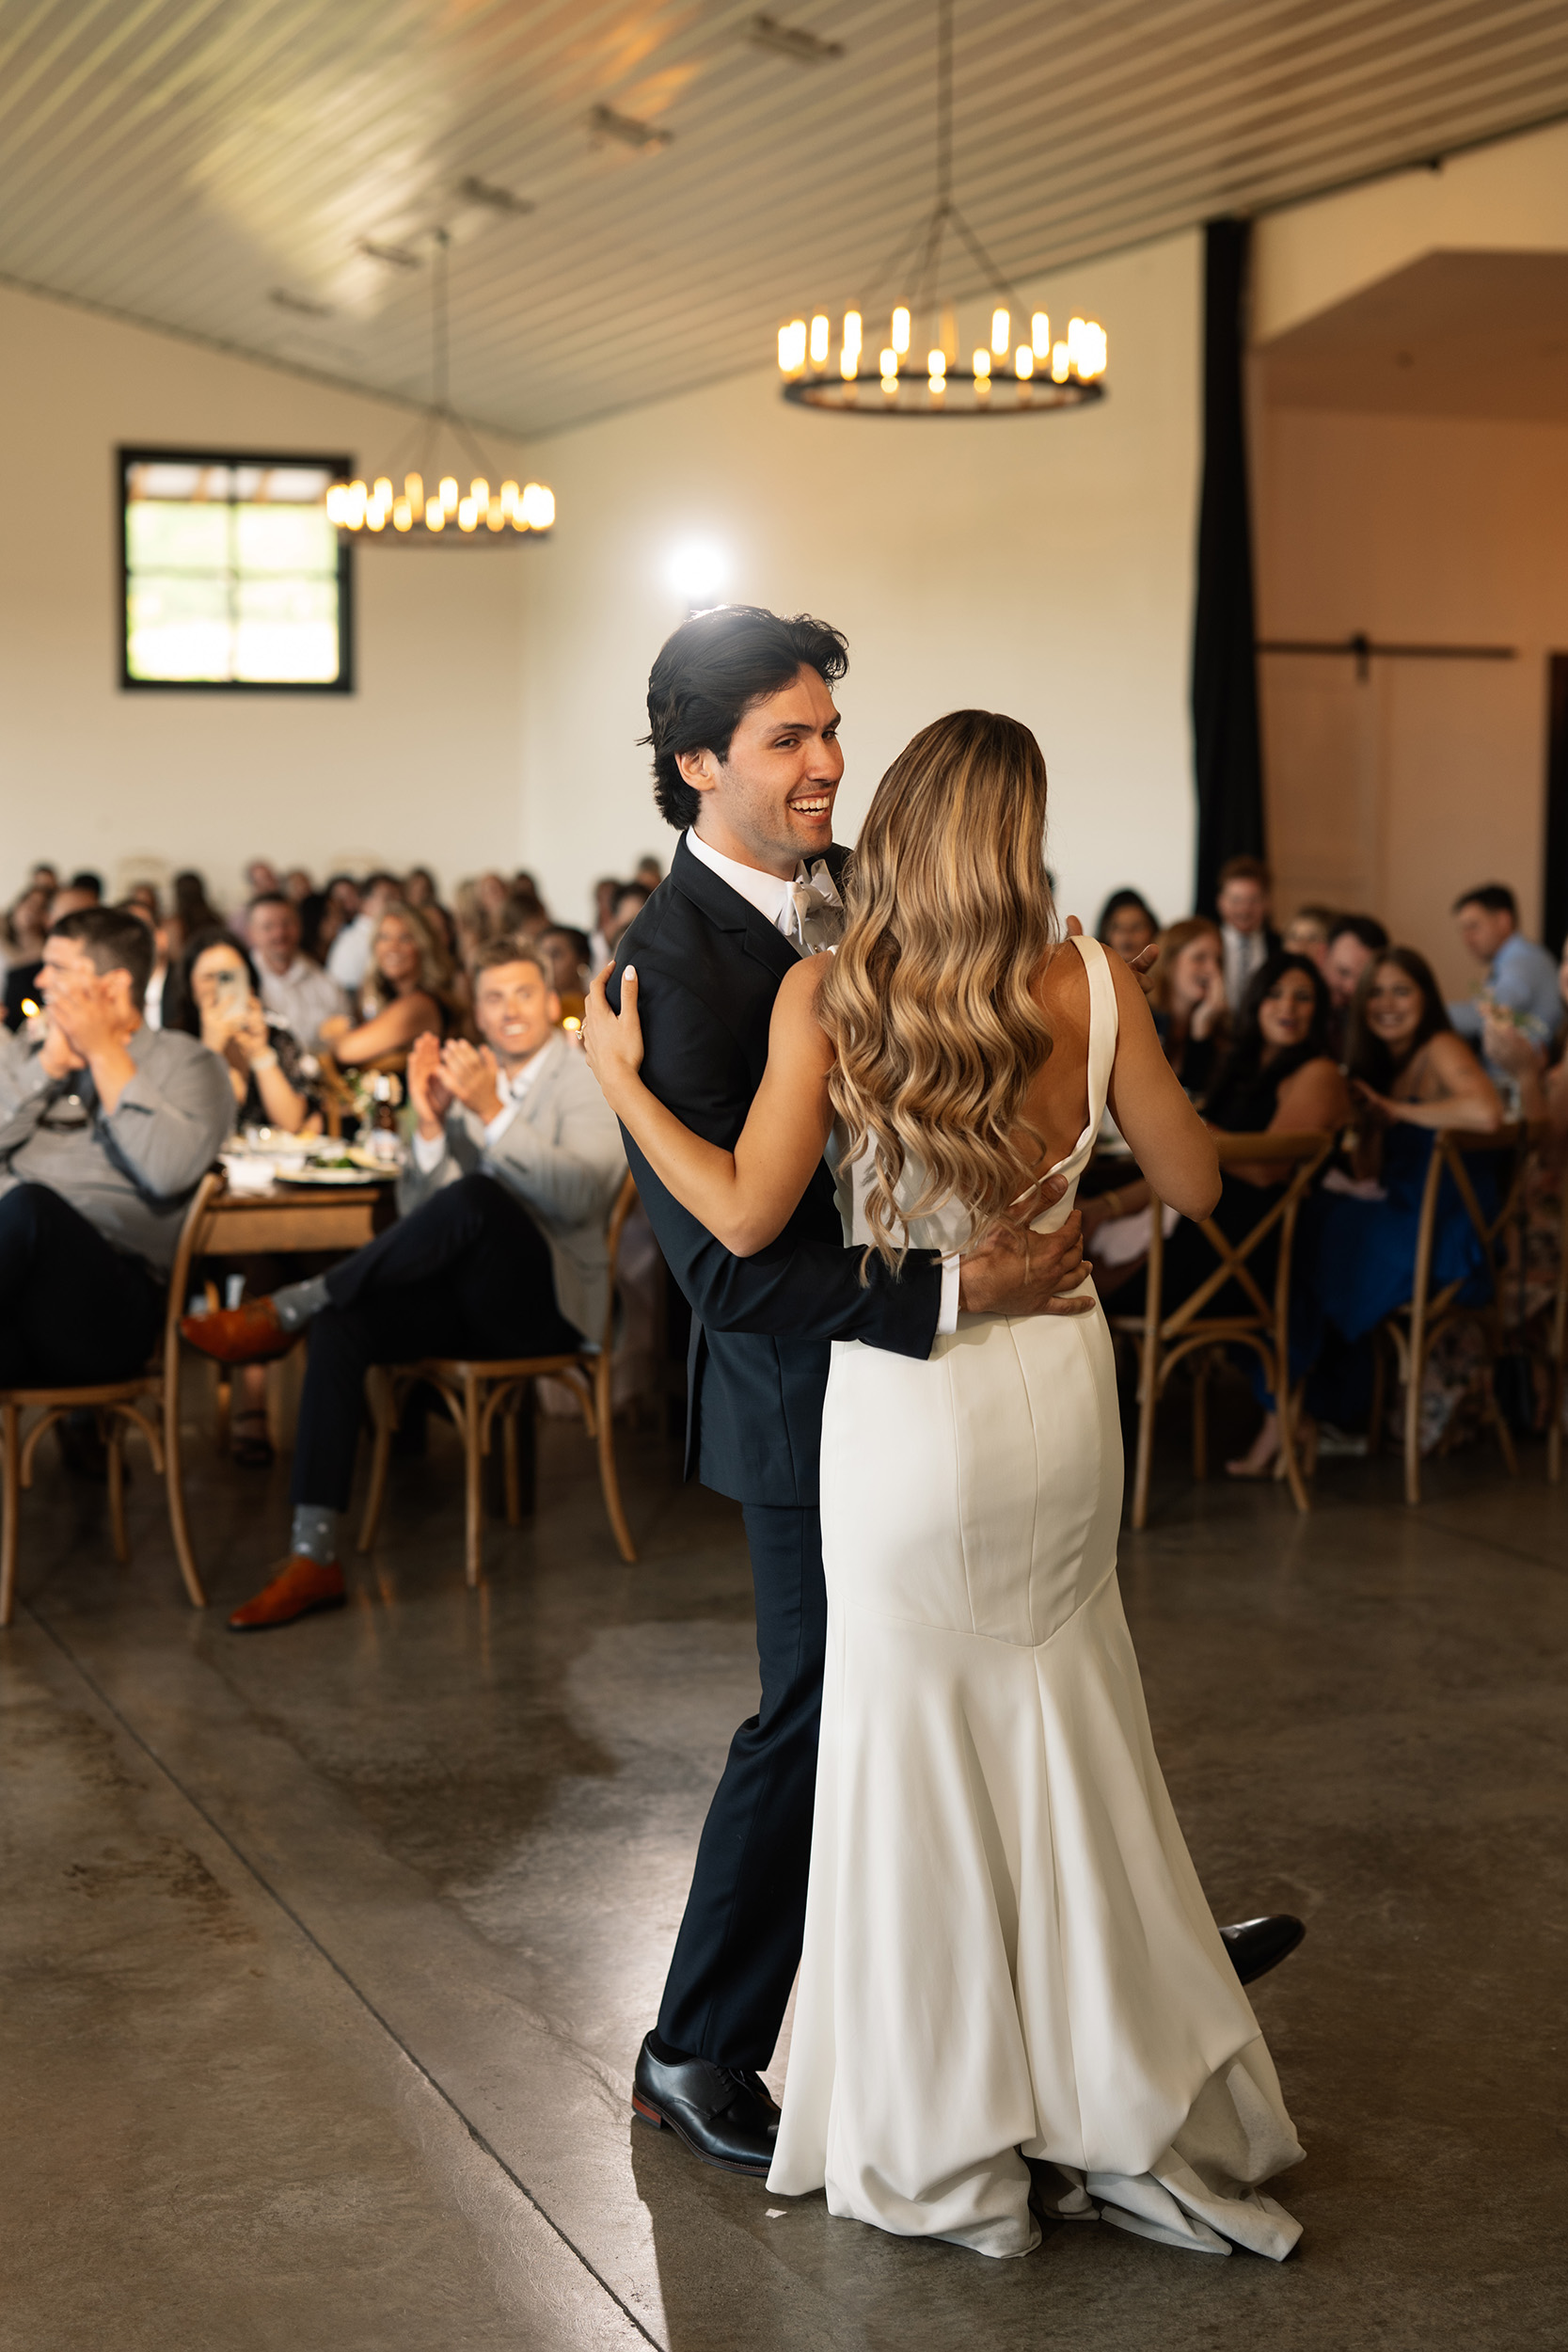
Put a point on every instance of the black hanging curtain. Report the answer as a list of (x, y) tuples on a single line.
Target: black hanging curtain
[(1226, 750)]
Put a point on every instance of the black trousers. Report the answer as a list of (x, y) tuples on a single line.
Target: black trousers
[(73, 1310), (469, 1273), (740, 1941)]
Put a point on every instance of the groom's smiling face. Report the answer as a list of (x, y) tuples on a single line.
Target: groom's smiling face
[(769, 802)]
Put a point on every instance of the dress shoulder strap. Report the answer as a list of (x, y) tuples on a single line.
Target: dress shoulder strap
[(1105, 1023)]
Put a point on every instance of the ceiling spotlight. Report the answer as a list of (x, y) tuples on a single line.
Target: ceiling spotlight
[(604, 123), (475, 191), (792, 41), (698, 569)]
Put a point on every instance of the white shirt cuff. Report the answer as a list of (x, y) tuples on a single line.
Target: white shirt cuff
[(502, 1121), (948, 1319), (429, 1152)]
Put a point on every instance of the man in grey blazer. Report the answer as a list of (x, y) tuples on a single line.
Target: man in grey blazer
[(499, 1251), (106, 1128)]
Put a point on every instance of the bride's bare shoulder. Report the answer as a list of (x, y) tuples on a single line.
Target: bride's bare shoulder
[(1061, 987), (795, 1014)]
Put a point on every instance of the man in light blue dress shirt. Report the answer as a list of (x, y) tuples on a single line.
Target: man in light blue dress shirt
[(1521, 981)]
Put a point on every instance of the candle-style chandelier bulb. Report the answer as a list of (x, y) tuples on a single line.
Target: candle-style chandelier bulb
[(434, 515), (982, 365), (450, 493), (1039, 335), (792, 346), (1001, 333), (1023, 363), (467, 514), (413, 490), (899, 338), (852, 331), (1060, 363), (820, 340)]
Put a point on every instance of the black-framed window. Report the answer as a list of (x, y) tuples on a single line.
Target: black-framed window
[(234, 580)]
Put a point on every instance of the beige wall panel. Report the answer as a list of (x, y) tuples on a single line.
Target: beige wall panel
[(1415, 529), (423, 762), (1037, 566)]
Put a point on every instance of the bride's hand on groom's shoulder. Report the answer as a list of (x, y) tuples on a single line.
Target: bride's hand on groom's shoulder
[(1016, 1271), (612, 1040), (1140, 966)]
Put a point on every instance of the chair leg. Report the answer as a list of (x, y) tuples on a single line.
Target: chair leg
[(1415, 1371), (385, 1397), (1380, 1392), (473, 1479), (11, 1505), (1499, 1423), (509, 1462), (1200, 1417), (1148, 1399), (1554, 1436), (608, 1479), (174, 1485), (114, 1444)]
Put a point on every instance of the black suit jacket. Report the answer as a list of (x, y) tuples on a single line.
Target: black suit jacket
[(708, 968)]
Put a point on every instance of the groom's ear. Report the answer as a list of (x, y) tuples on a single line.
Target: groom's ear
[(700, 769)]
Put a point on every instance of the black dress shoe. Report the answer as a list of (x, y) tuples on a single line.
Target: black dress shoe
[(1256, 1945), (723, 2113)]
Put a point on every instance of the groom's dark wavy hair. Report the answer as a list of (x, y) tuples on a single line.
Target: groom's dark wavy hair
[(709, 674)]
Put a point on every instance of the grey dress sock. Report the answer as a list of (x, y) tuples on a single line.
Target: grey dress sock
[(315, 1530), (297, 1302)]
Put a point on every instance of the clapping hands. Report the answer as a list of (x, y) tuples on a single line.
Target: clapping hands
[(439, 1076)]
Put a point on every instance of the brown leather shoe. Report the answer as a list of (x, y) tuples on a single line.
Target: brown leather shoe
[(299, 1586), (248, 1334)]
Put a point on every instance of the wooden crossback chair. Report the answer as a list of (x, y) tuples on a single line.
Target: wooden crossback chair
[(1557, 1384), (1413, 1329), (476, 1395), (1162, 1340), (148, 1402)]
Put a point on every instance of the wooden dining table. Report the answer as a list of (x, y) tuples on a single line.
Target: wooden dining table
[(289, 1219)]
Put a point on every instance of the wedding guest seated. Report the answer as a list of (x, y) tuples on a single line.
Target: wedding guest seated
[(1412, 1073), (1539, 1073), (1249, 939), (106, 1127), (1354, 943), (649, 872), (1127, 923), (143, 904), (1277, 1076), (1520, 979), (293, 990), (27, 921), (632, 898), (214, 993), (192, 911), (501, 1250), (90, 884), (1308, 932), (567, 955), (348, 958), (1186, 995), (406, 994), (23, 981), (606, 891)]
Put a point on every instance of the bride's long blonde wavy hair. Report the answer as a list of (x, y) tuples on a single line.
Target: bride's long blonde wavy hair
[(930, 1002)]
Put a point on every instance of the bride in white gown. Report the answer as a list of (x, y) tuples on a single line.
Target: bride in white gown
[(1013, 1997)]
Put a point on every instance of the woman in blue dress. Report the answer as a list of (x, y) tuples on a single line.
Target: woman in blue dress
[(1411, 1074)]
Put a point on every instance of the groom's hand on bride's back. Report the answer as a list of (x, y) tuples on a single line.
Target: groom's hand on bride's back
[(1016, 1271)]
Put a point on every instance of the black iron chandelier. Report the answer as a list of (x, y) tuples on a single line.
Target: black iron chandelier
[(1028, 377)]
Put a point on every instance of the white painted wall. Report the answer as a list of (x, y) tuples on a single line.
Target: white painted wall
[(1512, 197), (422, 763), (1037, 566)]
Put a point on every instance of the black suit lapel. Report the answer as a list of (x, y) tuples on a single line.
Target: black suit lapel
[(729, 911)]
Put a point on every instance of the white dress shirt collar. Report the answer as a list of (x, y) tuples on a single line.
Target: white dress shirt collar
[(766, 892)]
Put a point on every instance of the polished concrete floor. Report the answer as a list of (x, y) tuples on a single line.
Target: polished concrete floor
[(326, 1952)]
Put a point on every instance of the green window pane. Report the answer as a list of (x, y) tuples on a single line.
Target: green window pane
[(287, 631), (162, 536), (179, 627), (286, 539)]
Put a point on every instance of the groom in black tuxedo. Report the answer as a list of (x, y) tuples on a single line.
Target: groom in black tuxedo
[(747, 763)]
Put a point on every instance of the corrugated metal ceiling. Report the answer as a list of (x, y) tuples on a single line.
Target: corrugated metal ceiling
[(219, 167)]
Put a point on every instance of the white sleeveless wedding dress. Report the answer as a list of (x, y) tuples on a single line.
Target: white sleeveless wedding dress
[(1007, 1952)]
